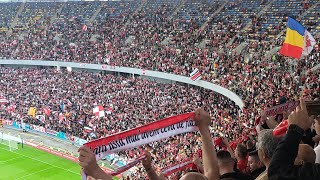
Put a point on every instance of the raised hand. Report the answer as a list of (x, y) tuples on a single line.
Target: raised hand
[(300, 116), (146, 162), (225, 141), (202, 118), (88, 162)]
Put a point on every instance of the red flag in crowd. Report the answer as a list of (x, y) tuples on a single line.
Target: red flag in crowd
[(46, 111), (84, 27), (195, 75), (281, 129), (87, 129), (61, 117), (98, 111)]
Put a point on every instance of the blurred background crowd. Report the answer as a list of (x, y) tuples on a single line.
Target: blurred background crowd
[(233, 44)]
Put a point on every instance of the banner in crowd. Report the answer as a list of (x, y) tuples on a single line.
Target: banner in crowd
[(127, 166), (61, 135), (143, 135), (38, 128), (51, 132), (16, 125), (280, 108), (177, 167), (8, 122)]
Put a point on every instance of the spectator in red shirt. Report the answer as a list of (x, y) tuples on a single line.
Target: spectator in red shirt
[(242, 158)]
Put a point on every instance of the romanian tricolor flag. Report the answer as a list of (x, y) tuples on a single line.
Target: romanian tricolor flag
[(298, 40)]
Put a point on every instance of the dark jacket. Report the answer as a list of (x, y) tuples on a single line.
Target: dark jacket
[(307, 138), (257, 172), (237, 176), (282, 163)]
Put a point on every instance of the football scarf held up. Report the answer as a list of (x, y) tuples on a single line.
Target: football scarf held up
[(177, 167), (142, 135)]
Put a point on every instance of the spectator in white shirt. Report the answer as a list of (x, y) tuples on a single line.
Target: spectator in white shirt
[(317, 148)]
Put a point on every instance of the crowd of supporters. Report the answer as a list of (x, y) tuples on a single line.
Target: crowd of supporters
[(134, 102), (153, 37)]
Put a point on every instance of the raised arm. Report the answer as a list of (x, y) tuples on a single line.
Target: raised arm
[(271, 122), (209, 156), (226, 142), (197, 162), (88, 162), (152, 174)]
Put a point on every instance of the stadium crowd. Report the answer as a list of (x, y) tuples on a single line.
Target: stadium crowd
[(155, 39), (134, 102)]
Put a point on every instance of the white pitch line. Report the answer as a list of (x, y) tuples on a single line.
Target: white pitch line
[(10, 159), (78, 173), (34, 173)]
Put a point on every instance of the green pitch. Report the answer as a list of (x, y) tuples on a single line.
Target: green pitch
[(29, 163)]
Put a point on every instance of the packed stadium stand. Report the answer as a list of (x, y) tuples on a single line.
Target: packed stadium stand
[(231, 42)]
